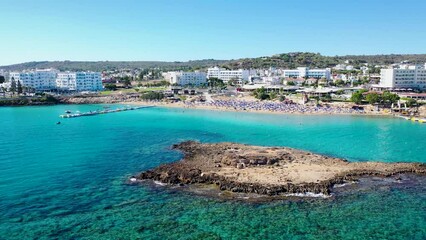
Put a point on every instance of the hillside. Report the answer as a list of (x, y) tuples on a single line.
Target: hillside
[(292, 60), (112, 65), (285, 60)]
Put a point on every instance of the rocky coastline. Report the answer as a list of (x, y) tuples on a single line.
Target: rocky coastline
[(268, 171)]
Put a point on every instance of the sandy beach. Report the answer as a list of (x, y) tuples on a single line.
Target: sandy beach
[(232, 109)]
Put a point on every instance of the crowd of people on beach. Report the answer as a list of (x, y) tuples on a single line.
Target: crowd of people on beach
[(269, 106)]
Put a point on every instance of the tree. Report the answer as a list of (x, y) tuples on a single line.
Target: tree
[(326, 98), (389, 97), (261, 94), (127, 81), (215, 83), (358, 96), (339, 83), (13, 86), (373, 98), (19, 88), (2, 79), (411, 102), (111, 87), (152, 96), (272, 95), (291, 83)]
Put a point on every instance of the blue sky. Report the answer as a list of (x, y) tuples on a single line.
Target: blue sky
[(180, 30)]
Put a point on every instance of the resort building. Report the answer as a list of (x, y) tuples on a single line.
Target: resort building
[(305, 72), (40, 79), (186, 78), (226, 75), (403, 77), (79, 81)]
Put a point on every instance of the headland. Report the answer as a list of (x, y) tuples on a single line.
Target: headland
[(267, 170)]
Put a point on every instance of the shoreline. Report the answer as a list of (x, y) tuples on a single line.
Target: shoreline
[(132, 100), (219, 109)]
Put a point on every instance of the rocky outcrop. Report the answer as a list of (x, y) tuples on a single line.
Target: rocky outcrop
[(93, 99), (269, 171)]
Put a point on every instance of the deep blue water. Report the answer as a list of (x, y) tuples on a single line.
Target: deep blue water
[(68, 181)]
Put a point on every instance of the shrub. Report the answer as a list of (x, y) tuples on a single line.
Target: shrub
[(152, 96)]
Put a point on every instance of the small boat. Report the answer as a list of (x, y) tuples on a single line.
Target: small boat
[(68, 111)]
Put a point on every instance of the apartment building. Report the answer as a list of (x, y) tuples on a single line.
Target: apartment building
[(79, 81), (226, 75), (403, 76), (305, 72), (186, 78), (40, 79)]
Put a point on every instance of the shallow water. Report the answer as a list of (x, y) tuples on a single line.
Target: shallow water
[(68, 181)]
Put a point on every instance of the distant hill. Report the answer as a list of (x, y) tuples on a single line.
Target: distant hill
[(285, 60), (113, 65), (298, 59)]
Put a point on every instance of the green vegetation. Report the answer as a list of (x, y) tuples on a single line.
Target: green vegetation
[(19, 87), (110, 87), (386, 98), (373, 98), (389, 98), (152, 96), (12, 86), (339, 83), (216, 83), (358, 96), (114, 65), (23, 101), (150, 69), (2, 79), (410, 102), (262, 94), (298, 59), (127, 82), (162, 83), (325, 98)]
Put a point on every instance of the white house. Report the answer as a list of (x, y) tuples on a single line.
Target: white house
[(305, 72), (226, 75), (79, 81), (272, 80), (40, 79), (186, 78), (404, 76)]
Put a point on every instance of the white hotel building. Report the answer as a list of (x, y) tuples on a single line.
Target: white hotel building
[(79, 81), (226, 75), (405, 76), (186, 78), (39, 79), (305, 72)]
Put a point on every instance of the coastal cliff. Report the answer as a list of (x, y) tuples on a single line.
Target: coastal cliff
[(267, 170)]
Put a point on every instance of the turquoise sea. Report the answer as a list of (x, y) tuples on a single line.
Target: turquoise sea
[(68, 181)]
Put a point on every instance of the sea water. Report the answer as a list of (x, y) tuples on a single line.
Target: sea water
[(68, 180)]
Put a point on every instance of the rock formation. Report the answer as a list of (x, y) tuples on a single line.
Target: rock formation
[(267, 170)]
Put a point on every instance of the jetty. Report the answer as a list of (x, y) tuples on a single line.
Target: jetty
[(97, 112)]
